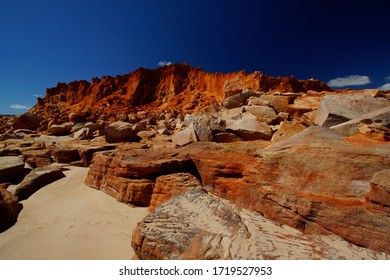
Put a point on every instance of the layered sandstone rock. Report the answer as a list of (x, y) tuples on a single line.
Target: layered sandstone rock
[(9, 209), (195, 225), (178, 87), (36, 179)]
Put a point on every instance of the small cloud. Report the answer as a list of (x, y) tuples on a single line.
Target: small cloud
[(19, 107), (385, 87), (37, 95), (164, 63), (353, 80)]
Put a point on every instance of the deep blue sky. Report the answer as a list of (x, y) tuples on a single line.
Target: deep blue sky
[(45, 42)]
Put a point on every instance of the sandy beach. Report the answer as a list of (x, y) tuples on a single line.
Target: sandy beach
[(67, 220)]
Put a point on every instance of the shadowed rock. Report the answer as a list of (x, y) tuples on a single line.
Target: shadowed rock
[(37, 179), (9, 209)]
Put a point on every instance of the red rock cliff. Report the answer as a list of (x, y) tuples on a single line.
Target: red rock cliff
[(179, 86)]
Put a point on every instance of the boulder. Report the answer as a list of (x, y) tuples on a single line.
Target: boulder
[(171, 185), (233, 86), (380, 188), (249, 128), (198, 226), (11, 168), (203, 132), (237, 100), (9, 209), (263, 113), (286, 130), (120, 132), (226, 137), (130, 191), (185, 136), (36, 179), (279, 103), (336, 109), (121, 174), (65, 154), (26, 121), (37, 158), (257, 101), (351, 127), (60, 129), (78, 117)]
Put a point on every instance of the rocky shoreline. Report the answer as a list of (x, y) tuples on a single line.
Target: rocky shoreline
[(273, 167)]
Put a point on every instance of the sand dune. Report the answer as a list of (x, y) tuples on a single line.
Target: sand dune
[(67, 220)]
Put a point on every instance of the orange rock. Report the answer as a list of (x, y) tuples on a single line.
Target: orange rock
[(171, 185)]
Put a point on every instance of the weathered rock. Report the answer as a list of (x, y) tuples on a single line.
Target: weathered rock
[(120, 132), (286, 130), (279, 103), (237, 100), (11, 168), (60, 129), (65, 154), (203, 132), (26, 121), (263, 113), (86, 153), (232, 87), (121, 173), (78, 117), (185, 136), (87, 130), (380, 188), (36, 179), (195, 225), (226, 137), (351, 127), (249, 128), (336, 109), (257, 101), (145, 135), (9, 209), (131, 191), (37, 158), (171, 185)]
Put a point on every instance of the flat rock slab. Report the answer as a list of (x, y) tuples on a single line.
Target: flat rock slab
[(37, 179), (195, 225), (11, 168)]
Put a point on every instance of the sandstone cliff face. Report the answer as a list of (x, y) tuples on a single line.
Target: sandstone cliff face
[(177, 87)]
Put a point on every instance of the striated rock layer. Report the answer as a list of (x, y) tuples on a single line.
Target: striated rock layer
[(181, 87), (196, 225)]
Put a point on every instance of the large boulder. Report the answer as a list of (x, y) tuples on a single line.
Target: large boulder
[(185, 137), (237, 100), (278, 102), (198, 226), (36, 179), (26, 121), (60, 129), (9, 209), (286, 130), (249, 128), (351, 127), (263, 113), (78, 117), (339, 108), (11, 168), (120, 132), (171, 185)]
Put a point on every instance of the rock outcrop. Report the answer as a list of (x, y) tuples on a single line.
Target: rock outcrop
[(177, 88), (195, 225), (9, 209), (36, 179)]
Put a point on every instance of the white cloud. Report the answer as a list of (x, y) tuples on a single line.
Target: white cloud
[(352, 80), (164, 63), (19, 107), (385, 87), (37, 95)]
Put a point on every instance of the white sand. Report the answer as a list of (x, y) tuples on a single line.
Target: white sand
[(67, 220)]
